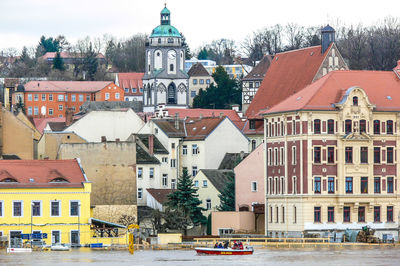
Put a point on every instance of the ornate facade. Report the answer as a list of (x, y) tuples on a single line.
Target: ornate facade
[(165, 82)]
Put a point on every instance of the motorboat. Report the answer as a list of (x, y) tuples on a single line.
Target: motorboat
[(60, 247), (224, 251), (17, 250)]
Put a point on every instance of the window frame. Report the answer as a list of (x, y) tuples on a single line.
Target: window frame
[(140, 173), (377, 127), (361, 214), (331, 214), (364, 155), (349, 185), (78, 208), (390, 180), (317, 155), (331, 184), (377, 214), (317, 214), (346, 214), (254, 187), (40, 208), (59, 208), (364, 184), (21, 211), (389, 218), (317, 185), (390, 155), (317, 126), (377, 155), (331, 126), (377, 185), (389, 127), (348, 155), (330, 155)]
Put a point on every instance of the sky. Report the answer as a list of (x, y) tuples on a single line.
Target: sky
[(22, 22)]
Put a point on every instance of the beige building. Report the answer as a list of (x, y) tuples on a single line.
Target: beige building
[(199, 78), (50, 142), (332, 155), (111, 167), (211, 183)]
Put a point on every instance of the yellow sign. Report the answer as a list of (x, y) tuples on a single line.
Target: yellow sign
[(131, 243)]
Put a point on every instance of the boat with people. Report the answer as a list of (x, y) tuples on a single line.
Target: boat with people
[(224, 249)]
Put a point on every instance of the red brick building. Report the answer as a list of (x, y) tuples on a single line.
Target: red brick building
[(52, 98)]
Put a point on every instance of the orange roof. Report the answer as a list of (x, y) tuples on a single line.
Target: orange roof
[(203, 112), (40, 173), (40, 123), (381, 87), (66, 86), (131, 80), (65, 55), (288, 73)]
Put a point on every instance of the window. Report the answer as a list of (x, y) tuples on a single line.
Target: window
[(126, 89), (317, 154), (171, 67), (207, 81), (17, 209), (60, 98), (73, 108), (173, 163), (36, 110), (194, 81), (30, 97), (294, 155), (172, 145), (349, 154), (133, 90), (196, 183), (165, 180), (151, 172), (50, 97), (364, 185), (317, 214), (250, 85), (317, 185), (361, 214), (349, 185), (331, 185), (195, 149), (192, 94), (377, 214), (29, 110), (377, 127), (73, 97), (277, 214), (389, 213), (140, 172), (389, 155), (208, 204), (80, 97), (51, 112), (55, 208), (60, 107), (254, 186), (348, 126), (377, 185), (73, 208), (140, 193), (66, 98), (164, 159), (364, 154), (377, 155), (1, 209), (36, 208), (389, 127), (331, 154), (331, 214), (205, 184), (252, 124), (346, 214), (87, 97), (355, 100), (253, 144), (117, 95), (44, 97), (107, 96), (36, 97), (390, 184), (317, 126), (194, 171), (363, 126), (201, 81), (184, 149)]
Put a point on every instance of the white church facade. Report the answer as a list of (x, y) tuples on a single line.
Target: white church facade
[(165, 81)]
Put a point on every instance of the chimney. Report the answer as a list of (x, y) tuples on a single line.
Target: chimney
[(201, 116), (151, 144), (177, 121), (221, 115), (69, 116), (235, 107), (103, 139), (327, 37)]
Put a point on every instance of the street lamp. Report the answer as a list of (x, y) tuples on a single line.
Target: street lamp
[(79, 222)]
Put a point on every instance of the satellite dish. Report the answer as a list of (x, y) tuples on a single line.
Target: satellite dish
[(43, 110)]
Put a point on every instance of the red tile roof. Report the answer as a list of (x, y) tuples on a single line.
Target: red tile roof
[(381, 87), (288, 73), (131, 80), (160, 195), (258, 72), (40, 123), (41, 173), (204, 112), (65, 55), (66, 86)]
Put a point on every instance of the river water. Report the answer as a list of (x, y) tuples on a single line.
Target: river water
[(271, 256)]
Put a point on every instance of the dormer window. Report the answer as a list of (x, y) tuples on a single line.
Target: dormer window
[(9, 180), (59, 180), (355, 101), (252, 124)]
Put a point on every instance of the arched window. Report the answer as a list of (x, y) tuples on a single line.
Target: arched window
[(171, 67), (170, 40), (9, 180), (59, 180), (355, 100), (171, 94)]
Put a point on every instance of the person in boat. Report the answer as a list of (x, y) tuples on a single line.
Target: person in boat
[(235, 245), (240, 245), (216, 245), (226, 244), (220, 245)]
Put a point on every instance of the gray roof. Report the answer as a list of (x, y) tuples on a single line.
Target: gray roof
[(230, 160), (94, 106), (219, 178), (143, 157)]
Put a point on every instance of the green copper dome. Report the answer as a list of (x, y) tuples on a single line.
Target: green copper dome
[(165, 11), (165, 31)]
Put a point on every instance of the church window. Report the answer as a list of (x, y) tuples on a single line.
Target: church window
[(159, 40), (355, 100), (170, 40), (171, 67)]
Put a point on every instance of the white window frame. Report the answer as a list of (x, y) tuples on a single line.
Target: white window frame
[(164, 180), (35, 110), (140, 170), (196, 183), (117, 95), (151, 172), (60, 97), (164, 159), (51, 111), (254, 186), (79, 208), (44, 97), (52, 236), (107, 96), (60, 107), (294, 159), (22, 208), (30, 110), (59, 208), (50, 97), (195, 149), (73, 98), (80, 97), (205, 183), (195, 171), (173, 163), (29, 97), (184, 150), (36, 97), (40, 210), (140, 192), (208, 204)]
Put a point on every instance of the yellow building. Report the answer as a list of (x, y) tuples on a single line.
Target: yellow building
[(48, 196)]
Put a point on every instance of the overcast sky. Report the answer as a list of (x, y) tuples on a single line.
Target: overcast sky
[(22, 22)]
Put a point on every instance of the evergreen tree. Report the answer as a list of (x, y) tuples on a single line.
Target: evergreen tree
[(183, 205), (203, 54), (220, 96), (188, 54), (58, 62), (90, 63), (20, 105), (227, 197)]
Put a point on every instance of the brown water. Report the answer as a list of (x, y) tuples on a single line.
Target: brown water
[(318, 256)]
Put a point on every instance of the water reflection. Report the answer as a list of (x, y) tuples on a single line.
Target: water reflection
[(271, 256)]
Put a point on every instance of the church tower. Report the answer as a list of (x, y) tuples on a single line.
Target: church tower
[(165, 81)]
